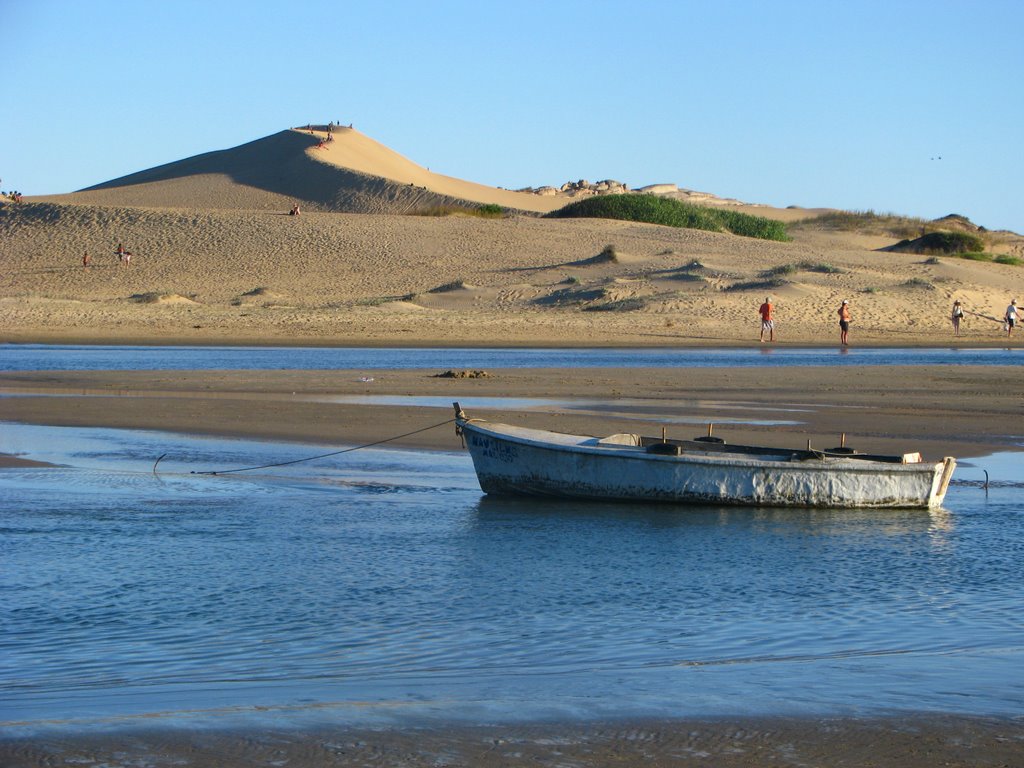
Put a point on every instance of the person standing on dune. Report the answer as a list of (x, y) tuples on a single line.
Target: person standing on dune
[(1010, 319)]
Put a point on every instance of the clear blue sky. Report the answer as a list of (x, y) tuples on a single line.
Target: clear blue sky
[(818, 103)]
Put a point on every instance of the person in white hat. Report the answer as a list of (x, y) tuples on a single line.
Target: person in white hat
[(844, 321), (1011, 317)]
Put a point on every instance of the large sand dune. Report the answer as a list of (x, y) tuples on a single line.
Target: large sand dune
[(350, 173)]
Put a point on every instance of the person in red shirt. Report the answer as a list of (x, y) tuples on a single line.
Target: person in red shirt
[(767, 312)]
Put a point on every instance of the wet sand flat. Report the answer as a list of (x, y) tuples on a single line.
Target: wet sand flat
[(907, 742), (952, 410)]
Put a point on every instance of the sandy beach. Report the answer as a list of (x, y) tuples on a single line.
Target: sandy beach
[(342, 279)]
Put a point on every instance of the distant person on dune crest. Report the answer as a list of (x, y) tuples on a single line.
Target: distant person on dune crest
[(295, 210)]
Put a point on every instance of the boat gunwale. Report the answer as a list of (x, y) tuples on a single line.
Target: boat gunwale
[(820, 463)]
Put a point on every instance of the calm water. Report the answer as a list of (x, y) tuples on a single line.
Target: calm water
[(41, 357), (381, 586)]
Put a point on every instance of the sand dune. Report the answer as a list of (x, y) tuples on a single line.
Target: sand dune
[(355, 278), (217, 259), (340, 170), (351, 173)]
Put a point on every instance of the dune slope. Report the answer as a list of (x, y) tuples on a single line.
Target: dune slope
[(351, 173)]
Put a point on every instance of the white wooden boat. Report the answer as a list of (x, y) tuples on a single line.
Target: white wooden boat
[(626, 467)]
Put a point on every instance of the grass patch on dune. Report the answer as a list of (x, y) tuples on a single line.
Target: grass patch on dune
[(868, 222), (1013, 261), (995, 258), (782, 269), (490, 211), (162, 297), (454, 285), (906, 228), (802, 266), (758, 285), (608, 255), (822, 267), (694, 272), (377, 301), (485, 211), (620, 305), (650, 209)]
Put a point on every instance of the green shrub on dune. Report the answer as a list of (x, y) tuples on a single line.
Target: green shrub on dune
[(651, 209), (941, 243)]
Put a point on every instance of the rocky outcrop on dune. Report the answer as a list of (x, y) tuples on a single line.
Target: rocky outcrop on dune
[(574, 190), (581, 188)]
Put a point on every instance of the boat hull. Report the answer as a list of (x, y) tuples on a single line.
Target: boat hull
[(516, 461)]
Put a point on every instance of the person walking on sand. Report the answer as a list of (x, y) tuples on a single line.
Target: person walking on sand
[(767, 312), (956, 317), (844, 322), (86, 259), (1010, 318)]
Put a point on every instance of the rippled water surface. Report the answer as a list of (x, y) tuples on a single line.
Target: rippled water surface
[(382, 586), (31, 357)]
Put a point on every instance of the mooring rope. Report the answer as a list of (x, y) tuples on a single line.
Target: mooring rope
[(321, 456)]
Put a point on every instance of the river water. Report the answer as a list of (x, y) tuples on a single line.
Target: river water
[(44, 357), (382, 587)]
